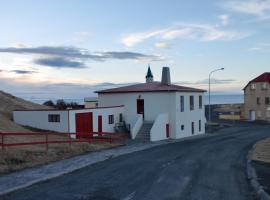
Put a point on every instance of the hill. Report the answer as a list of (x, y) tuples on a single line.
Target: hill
[(8, 103)]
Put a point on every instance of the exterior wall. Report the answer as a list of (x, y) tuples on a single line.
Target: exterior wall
[(104, 112), (136, 126), (158, 131), (261, 110), (39, 119), (156, 103), (188, 116)]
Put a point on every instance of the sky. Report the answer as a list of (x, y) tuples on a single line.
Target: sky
[(68, 49)]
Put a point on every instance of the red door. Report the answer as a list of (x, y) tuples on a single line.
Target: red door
[(84, 122), (140, 106), (100, 124), (167, 130)]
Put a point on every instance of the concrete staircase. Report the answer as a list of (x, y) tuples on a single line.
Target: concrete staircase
[(144, 133)]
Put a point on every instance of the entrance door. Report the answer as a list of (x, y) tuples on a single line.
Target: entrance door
[(192, 128), (252, 115), (84, 122), (99, 124), (140, 106), (167, 130)]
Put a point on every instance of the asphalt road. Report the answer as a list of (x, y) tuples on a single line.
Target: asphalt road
[(206, 168)]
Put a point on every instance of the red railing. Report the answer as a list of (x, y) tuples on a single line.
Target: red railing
[(80, 137)]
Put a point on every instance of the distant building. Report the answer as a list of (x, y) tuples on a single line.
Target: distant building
[(90, 102), (152, 110), (257, 98)]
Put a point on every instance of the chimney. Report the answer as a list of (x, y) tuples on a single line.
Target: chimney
[(166, 78)]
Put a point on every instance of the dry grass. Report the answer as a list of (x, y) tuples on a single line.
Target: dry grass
[(262, 151), (16, 158)]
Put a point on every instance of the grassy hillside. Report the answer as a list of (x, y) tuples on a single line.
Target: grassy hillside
[(8, 103)]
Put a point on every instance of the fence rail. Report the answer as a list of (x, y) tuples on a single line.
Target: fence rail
[(72, 138)]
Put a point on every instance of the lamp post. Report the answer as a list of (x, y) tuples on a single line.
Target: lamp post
[(209, 91)]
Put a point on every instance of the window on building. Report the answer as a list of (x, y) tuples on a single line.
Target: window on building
[(182, 103), (53, 118), (267, 101), (191, 102), (258, 101), (182, 127), (200, 125), (253, 86), (264, 86), (111, 119), (200, 101), (120, 117)]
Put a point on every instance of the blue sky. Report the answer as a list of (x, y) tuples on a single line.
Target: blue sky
[(68, 49)]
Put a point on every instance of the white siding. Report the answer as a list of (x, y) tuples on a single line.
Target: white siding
[(188, 116), (156, 103), (39, 119)]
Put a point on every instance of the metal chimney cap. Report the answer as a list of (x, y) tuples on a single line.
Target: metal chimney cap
[(166, 78)]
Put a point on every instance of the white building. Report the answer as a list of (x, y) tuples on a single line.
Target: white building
[(180, 109), (169, 111)]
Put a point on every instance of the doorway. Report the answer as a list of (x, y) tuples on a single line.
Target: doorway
[(84, 123), (192, 128), (252, 115), (99, 124), (140, 106)]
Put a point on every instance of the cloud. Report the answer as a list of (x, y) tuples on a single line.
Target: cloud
[(224, 19), (198, 32), (261, 47), (206, 81), (259, 8), (23, 71), (59, 62), (73, 57), (19, 71), (80, 37), (162, 45)]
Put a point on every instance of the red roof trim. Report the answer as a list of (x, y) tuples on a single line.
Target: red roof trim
[(151, 91), (265, 77), (72, 109), (150, 87)]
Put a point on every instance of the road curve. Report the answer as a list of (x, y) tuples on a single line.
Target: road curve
[(206, 168)]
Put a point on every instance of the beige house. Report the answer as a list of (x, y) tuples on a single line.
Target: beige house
[(257, 98), (90, 102)]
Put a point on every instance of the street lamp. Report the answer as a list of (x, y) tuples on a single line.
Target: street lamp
[(209, 91)]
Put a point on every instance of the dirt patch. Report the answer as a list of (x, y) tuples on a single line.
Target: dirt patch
[(262, 151)]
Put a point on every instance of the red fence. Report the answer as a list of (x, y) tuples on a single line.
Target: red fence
[(80, 137)]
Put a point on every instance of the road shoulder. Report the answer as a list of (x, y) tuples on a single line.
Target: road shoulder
[(258, 168)]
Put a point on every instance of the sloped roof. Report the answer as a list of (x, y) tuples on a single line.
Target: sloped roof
[(265, 77), (150, 87)]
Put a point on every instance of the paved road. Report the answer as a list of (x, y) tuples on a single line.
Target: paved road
[(206, 168)]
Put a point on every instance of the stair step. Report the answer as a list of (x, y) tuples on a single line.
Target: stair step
[(144, 133)]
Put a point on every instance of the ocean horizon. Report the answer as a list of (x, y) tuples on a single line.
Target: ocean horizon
[(215, 99)]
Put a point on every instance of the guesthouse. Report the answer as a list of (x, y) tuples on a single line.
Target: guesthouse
[(154, 110)]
